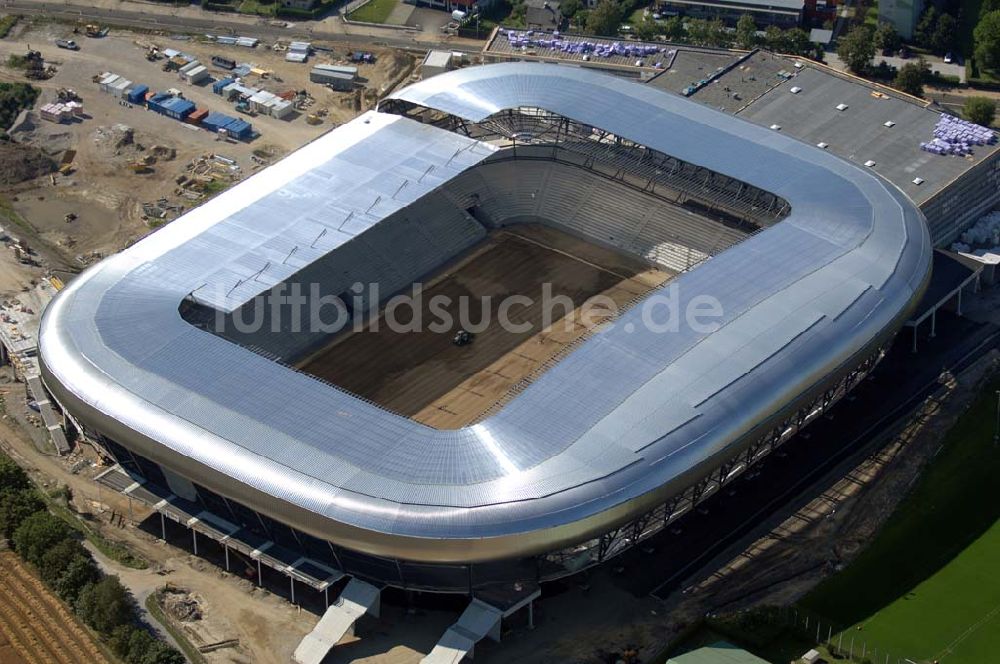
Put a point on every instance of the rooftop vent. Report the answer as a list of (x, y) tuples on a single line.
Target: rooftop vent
[(822, 145), (888, 123), (869, 163), (841, 107)]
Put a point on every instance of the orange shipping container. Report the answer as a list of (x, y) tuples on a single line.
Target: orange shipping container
[(197, 116)]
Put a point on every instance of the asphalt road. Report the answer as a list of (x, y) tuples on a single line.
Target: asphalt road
[(214, 24), (809, 464)]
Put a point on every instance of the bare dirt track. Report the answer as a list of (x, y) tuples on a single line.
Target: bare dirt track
[(35, 626)]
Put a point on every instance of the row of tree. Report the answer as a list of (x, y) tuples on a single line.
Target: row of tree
[(64, 565), (986, 36), (607, 17)]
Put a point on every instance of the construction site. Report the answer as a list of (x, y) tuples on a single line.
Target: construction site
[(133, 130)]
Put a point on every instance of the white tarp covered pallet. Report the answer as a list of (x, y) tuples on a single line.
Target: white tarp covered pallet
[(357, 599), (477, 621)]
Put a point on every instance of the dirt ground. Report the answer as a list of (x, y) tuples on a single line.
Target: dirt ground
[(424, 375), (34, 625), (102, 191)]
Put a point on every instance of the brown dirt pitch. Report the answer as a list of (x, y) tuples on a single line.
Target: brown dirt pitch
[(424, 375)]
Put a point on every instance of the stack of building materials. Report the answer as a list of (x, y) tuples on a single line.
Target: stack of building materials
[(75, 107), (56, 112), (106, 79), (337, 77), (170, 106)]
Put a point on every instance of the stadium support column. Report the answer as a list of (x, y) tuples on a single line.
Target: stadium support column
[(163, 527)]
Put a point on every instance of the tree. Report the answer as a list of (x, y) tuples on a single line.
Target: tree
[(78, 574), (988, 6), (943, 37), (746, 32), (986, 36), (707, 33), (797, 40), (774, 39), (16, 505), (56, 560), (37, 534), (857, 49), (673, 29), (605, 19), (647, 29), (12, 476), (911, 76), (886, 37), (924, 32), (980, 110), (106, 604), (569, 8)]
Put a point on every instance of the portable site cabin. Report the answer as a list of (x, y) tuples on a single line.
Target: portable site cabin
[(107, 80), (338, 78), (120, 88), (196, 75)]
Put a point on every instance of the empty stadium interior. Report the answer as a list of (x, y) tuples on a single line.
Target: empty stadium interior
[(582, 218), (424, 375)]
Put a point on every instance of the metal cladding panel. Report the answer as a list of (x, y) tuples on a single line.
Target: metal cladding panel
[(627, 418)]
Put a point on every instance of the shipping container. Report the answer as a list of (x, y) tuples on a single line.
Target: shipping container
[(137, 94), (223, 63), (197, 116)]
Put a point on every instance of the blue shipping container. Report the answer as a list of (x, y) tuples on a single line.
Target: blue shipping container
[(172, 107), (219, 85), (215, 121), (240, 129), (137, 94)]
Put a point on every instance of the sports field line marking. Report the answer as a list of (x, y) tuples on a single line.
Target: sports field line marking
[(969, 632)]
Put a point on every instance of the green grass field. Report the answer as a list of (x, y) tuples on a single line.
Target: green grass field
[(927, 587), (376, 11)]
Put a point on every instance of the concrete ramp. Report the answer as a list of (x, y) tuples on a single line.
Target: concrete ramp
[(357, 599), (477, 621), (49, 417)]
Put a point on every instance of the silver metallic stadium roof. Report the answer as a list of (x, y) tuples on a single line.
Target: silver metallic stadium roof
[(628, 418)]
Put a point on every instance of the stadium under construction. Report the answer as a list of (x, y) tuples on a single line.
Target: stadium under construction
[(486, 468)]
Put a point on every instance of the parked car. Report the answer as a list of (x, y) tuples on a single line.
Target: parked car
[(67, 44)]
